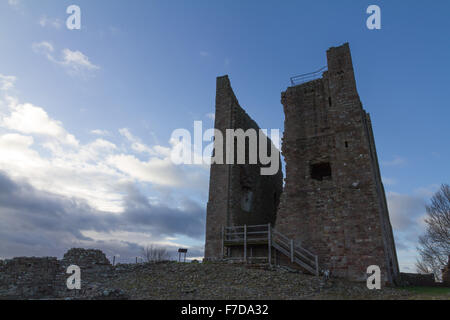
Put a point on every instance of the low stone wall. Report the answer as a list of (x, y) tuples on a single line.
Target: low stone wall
[(28, 277), (416, 279), (93, 263), (40, 278)]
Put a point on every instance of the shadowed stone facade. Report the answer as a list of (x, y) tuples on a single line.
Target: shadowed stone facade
[(334, 200), (238, 194)]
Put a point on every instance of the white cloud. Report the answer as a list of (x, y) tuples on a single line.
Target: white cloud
[(15, 149), (397, 161), (75, 62), (43, 47), (6, 82), (30, 119), (14, 3), (13, 141), (89, 182), (39, 148), (389, 181), (44, 21), (78, 172), (71, 169), (158, 171), (100, 132), (204, 53), (138, 146)]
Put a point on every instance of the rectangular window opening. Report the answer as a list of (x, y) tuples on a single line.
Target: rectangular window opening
[(321, 171)]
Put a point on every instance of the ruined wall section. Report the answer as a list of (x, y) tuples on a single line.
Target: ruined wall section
[(219, 182), (28, 277), (238, 193), (333, 199), (39, 278)]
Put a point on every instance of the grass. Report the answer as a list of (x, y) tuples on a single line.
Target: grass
[(428, 292)]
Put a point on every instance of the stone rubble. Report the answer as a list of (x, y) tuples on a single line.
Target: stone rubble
[(45, 278)]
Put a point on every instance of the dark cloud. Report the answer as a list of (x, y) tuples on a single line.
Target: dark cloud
[(164, 220), (35, 222)]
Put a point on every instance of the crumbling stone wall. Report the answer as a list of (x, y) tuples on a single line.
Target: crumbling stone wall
[(238, 193), (93, 264), (38, 278), (92, 261), (28, 277), (334, 200)]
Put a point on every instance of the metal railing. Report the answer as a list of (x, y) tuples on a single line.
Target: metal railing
[(295, 252), (248, 233), (266, 235), (302, 78)]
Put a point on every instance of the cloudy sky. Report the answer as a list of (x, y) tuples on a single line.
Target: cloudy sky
[(86, 115)]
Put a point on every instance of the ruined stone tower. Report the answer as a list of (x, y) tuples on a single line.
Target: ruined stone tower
[(333, 203), (238, 193), (334, 200)]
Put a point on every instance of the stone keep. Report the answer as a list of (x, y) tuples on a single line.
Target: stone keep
[(334, 201), (238, 194)]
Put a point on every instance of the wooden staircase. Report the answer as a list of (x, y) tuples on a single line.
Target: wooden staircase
[(264, 235)]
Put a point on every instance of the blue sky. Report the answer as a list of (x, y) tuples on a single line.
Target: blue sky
[(105, 99)]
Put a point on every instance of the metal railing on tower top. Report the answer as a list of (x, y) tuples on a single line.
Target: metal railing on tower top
[(302, 78)]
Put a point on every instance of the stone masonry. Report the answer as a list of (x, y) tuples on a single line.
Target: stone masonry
[(333, 200), (238, 194), (39, 278)]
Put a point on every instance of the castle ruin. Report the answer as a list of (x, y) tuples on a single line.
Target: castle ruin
[(332, 211)]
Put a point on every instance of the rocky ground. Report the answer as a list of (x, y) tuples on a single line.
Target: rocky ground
[(171, 280)]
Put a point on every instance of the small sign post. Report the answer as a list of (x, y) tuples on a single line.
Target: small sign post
[(180, 251)]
